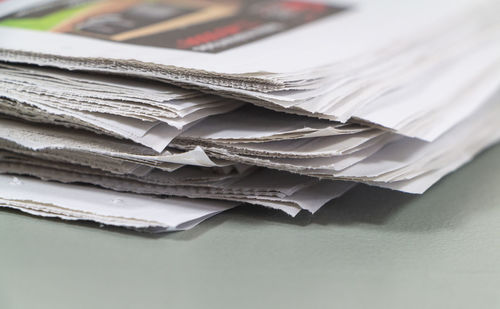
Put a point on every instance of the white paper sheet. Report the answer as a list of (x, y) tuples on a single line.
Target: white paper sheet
[(106, 206)]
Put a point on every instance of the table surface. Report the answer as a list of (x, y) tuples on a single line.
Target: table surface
[(372, 248)]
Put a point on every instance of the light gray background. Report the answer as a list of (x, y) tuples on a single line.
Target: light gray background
[(369, 249)]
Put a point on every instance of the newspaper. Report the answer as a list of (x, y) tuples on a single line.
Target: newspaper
[(59, 142), (201, 45), (147, 113), (401, 163), (251, 124), (237, 100), (325, 146), (131, 98), (77, 202), (370, 157), (289, 193)]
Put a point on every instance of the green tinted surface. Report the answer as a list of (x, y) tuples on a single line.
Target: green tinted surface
[(43, 23), (370, 249)]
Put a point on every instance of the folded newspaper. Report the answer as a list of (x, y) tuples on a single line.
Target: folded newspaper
[(157, 114)]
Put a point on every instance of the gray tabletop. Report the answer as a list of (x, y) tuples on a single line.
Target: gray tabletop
[(371, 248)]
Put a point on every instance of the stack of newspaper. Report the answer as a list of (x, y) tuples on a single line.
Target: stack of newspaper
[(157, 114)]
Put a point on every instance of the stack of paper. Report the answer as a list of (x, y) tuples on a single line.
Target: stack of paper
[(158, 114)]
